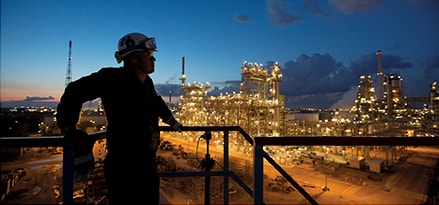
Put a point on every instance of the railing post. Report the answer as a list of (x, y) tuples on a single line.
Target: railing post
[(208, 160), (226, 166), (67, 171), (258, 178)]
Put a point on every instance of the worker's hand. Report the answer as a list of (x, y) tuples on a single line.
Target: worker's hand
[(177, 126), (174, 124)]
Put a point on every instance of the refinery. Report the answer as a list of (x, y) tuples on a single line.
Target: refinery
[(259, 108)]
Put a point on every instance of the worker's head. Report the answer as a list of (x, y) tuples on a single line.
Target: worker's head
[(134, 43)]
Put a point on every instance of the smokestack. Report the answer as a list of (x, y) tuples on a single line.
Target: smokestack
[(182, 66), (183, 76), (170, 97), (380, 76)]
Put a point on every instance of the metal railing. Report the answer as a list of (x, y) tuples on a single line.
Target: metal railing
[(53, 141), (256, 192)]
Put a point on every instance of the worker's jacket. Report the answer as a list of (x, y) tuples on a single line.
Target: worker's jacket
[(132, 109)]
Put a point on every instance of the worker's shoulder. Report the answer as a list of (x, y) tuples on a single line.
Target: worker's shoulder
[(111, 71)]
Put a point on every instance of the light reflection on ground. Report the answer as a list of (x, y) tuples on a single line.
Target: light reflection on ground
[(45, 160)]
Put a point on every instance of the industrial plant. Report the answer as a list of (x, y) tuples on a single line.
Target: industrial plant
[(259, 108)]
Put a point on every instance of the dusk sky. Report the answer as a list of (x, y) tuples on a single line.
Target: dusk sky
[(323, 46)]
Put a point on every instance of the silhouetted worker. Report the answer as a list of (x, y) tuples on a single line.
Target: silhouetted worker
[(133, 109)]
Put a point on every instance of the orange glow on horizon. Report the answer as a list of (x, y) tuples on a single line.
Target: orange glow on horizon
[(22, 95)]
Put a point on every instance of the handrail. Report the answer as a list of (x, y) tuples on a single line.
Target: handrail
[(56, 141), (211, 128), (257, 142), (346, 140)]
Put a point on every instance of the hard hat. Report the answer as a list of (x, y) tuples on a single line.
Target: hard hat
[(134, 42)]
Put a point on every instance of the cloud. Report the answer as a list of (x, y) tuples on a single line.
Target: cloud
[(321, 80), (309, 101), (313, 7), (368, 65), (241, 18), (316, 81), (224, 87), (279, 14), (35, 98), (347, 100), (355, 6), (310, 75), (395, 63), (33, 101)]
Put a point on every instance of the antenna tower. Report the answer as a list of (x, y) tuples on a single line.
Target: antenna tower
[(69, 65)]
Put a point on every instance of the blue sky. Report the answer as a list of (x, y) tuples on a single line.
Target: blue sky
[(323, 46)]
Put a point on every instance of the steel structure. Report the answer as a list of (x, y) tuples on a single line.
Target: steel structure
[(69, 65), (258, 107)]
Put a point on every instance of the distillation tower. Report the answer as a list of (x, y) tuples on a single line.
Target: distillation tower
[(193, 96), (365, 102), (393, 95)]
